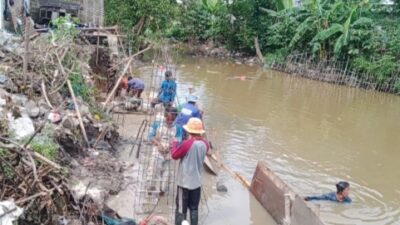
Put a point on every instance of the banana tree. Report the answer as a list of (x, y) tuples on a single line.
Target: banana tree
[(341, 31), (283, 4), (314, 21), (211, 6), (214, 8)]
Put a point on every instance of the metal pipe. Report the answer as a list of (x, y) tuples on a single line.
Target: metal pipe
[(141, 130)]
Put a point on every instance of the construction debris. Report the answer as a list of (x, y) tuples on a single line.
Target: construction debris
[(56, 143)]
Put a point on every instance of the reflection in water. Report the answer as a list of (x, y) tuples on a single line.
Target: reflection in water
[(312, 134)]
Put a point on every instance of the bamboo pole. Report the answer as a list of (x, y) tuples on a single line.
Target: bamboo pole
[(127, 65), (78, 113), (235, 175), (26, 52)]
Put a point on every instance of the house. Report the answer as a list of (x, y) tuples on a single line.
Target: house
[(89, 12)]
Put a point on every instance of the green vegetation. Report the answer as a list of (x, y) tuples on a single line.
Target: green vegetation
[(44, 143), (4, 168), (364, 33), (66, 30), (79, 85)]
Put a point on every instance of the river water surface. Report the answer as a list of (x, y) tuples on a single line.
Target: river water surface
[(312, 134)]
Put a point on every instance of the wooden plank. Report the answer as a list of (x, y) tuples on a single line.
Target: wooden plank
[(209, 166), (270, 191)]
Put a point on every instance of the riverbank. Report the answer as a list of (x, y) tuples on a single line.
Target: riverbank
[(58, 146), (303, 65)]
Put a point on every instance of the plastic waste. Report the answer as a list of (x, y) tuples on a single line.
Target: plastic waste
[(10, 212)]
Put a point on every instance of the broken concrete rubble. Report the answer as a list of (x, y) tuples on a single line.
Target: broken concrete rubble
[(21, 127), (42, 180), (32, 109)]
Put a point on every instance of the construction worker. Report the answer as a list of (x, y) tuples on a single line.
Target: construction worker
[(136, 85), (341, 195), (122, 85), (163, 125), (167, 92), (191, 154), (162, 132), (189, 110)]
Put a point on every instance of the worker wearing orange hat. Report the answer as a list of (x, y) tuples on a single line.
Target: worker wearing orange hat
[(191, 154)]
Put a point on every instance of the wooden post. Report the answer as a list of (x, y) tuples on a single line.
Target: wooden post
[(97, 47), (78, 113), (26, 53)]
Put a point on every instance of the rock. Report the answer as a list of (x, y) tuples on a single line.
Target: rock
[(20, 100), (3, 78), (84, 110), (54, 117), (32, 109), (221, 187), (10, 86), (218, 52), (2, 101), (63, 221), (70, 122), (55, 99), (34, 112), (43, 110), (21, 127), (97, 194)]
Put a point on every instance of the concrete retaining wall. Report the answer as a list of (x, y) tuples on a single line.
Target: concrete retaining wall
[(279, 200)]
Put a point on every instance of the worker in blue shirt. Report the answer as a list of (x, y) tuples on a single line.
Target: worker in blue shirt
[(167, 92), (136, 85), (189, 110), (341, 195)]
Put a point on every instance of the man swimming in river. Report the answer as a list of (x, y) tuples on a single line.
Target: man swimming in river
[(242, 78), (341, 195)]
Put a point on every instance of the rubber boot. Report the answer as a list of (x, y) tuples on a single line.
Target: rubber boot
[(194, 217), (179, 217)]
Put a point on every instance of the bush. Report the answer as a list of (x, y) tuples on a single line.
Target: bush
[(278, 56), (44, 143), (80, 87), (4, 168), (397, 86)]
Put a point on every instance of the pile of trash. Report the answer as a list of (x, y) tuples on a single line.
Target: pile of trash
[(53, 134)]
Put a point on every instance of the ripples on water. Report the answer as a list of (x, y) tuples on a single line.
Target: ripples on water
[(312, 134)]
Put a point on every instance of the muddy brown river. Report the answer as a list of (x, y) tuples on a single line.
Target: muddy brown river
[(312, 134)]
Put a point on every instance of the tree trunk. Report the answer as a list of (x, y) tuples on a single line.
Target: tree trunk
[(258, 51)]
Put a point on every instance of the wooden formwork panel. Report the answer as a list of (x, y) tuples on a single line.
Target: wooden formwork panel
[(270, 191)]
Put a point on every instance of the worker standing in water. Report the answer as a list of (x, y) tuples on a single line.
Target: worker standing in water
[(341, 195), (191, 154)]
